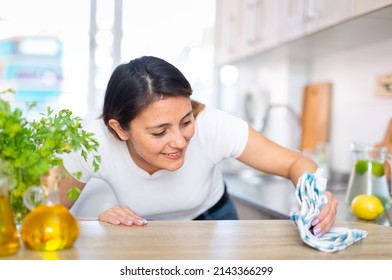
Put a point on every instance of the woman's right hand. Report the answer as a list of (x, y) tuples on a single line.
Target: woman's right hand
[(121, 215)]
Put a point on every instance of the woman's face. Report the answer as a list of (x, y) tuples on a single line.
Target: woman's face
[(159, 136)]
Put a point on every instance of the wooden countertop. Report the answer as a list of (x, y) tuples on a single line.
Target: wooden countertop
[(210, 240)]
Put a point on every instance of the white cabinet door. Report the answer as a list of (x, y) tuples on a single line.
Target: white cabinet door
[(291, 24), (249, 27), (229, 32), (320, 14), (244, 28), (260, 25)]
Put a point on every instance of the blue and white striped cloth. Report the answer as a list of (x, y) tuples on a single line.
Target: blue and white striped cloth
[(310, 193)]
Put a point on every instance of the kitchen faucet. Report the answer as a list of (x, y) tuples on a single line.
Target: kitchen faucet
[(262, 126)]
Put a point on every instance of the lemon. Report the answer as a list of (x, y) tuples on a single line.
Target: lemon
[(361, 166), (367, 207), (377, 169)]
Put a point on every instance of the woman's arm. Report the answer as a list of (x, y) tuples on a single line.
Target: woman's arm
[(65, 184), (267, 156), (115, 215)]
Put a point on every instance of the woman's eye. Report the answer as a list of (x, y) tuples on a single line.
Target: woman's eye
[(186, 123), (159, 134)]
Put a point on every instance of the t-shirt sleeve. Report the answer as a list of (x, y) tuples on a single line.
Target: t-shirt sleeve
[(222, 134)]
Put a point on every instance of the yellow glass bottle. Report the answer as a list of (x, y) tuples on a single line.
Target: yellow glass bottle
[(49, 226), (9, 238)]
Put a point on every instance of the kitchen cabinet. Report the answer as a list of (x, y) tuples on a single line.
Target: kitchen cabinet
[(345, 43), (319, 14), (245, 28), (229, 19), (364, 6), (302, 17), (260, 25)]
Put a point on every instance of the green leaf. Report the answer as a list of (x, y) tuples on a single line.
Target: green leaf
[(30, 148), (73, 193), (78, 175)]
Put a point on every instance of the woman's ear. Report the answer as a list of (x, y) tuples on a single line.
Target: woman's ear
[(115, 125)]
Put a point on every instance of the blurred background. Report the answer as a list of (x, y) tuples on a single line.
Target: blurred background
[(61, 53), (312, 75)]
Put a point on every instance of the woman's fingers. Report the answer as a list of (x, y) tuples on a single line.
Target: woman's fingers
[(326, 219), (121, 215)]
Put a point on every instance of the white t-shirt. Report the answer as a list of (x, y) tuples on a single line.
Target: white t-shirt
[(182, 194)]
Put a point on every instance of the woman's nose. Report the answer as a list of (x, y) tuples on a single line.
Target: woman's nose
[(178, 140)]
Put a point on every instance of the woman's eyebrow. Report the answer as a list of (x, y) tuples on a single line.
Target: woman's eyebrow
[(188, 114), (166, 124)]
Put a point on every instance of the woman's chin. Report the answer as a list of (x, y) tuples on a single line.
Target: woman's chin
[(174, 165)]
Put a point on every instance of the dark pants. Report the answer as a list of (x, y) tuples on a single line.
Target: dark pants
[(224, 209)]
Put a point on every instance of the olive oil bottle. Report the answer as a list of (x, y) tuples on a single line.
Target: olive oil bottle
[(9, 238), (49, 226)]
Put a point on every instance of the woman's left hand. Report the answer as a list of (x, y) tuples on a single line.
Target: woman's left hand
[(325, 220)]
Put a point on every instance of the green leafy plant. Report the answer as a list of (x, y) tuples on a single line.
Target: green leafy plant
[(30, 148)]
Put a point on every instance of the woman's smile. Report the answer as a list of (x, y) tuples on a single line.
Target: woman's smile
[(173, 156), (160, 135)]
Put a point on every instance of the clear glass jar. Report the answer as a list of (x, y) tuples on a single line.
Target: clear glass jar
[(368, 173)]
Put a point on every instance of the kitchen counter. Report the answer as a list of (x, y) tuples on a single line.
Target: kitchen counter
[(275, 196), (209, 240)]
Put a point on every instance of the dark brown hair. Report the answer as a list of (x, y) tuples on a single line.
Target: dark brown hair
[(135, 85)]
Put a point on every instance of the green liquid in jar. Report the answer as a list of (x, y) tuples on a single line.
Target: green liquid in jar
[(368, 178)]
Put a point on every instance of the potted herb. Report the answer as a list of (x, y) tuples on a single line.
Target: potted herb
[(29, 149)]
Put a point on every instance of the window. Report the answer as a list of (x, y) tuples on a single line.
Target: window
[(61, 53)]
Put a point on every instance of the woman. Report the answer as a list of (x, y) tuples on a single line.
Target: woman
[(161, 152)]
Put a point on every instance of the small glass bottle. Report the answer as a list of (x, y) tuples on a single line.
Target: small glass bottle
[(9, 238), (49, 226)]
